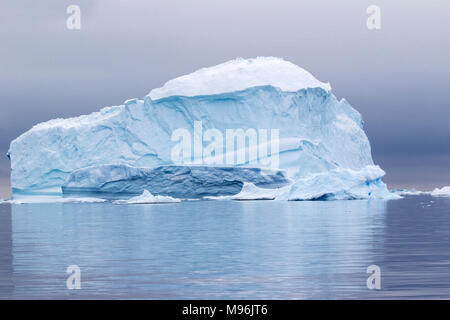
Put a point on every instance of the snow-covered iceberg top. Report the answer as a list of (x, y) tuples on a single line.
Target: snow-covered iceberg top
[(240, 74), (443, 192)]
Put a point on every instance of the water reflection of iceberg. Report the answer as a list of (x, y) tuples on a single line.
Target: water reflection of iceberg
[(196, 249)]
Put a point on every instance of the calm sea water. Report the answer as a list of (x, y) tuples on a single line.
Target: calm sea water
[(227, 249)]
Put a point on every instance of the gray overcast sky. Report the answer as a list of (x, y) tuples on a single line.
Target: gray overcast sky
[(397, 77)]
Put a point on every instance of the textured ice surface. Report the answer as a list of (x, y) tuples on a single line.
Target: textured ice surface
[(251, 192), (337, 184), (175, 181), (318, 133), (147, 198), (443, 192), (328, 133)]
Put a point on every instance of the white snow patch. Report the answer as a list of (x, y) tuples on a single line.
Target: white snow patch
[(79, 121)]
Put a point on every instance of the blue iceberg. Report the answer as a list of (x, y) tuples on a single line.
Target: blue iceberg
[(317, 136)]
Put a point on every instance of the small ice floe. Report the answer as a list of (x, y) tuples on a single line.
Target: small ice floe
[(147, 198), (443, 192), (51, 199), (80, 200), (409, 192)]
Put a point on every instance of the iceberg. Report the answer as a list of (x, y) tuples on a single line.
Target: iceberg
[(319, 143), (147, 198), (443, 192)]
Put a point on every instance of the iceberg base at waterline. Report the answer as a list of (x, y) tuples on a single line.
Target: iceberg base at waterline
[(338, 184), (182, 182), (169, 184)]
